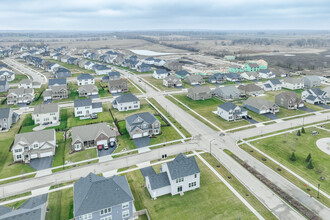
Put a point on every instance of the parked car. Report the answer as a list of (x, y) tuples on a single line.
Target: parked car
[(93, 116), (106, 147), (100, 147), (112, 144)]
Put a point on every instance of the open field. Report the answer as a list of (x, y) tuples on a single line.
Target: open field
[(280, 147), (212, 201)]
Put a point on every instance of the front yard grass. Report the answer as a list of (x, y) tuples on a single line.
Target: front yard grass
[(212, 201), (73, 68), (158, 83), (280, 147), (144, 107), (18, 78), (60, 205)]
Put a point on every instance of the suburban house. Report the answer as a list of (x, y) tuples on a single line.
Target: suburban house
[(88, 90), (4, 85), (173, 65), (250, 89), (126, 102), (289, 100), (142, 68), (251, 66), (315, 96), (20, 96), (7, 75), (326, 89), (176, 177), (194, 80), (250, 75), (261, 105), (311, 81), (92, 135), (172, 81), (36, 144), (62, 72), (182, 74), (233, 77), (99, 198), (28, 83), (293, 83), (266, 74), (46, 114), (160, 73), (56, 82), (34, 208), (114, 76), (101, 69), (217, 78), (227, 92), (56, 92), (231, 112), (273, 85), (235, 69), (89, 65), (142, 125), (7, 118), (116, 86), (199, 93), (85, 107), (85, 79)]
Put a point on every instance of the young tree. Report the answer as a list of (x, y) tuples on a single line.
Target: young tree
[(293, 157), (310, 165), (303, 130), (309, 157), (298, 133)]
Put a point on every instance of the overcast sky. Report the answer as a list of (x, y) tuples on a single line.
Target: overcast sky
[(109, 15)]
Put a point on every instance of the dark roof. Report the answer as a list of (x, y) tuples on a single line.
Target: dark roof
[(114, 74), (317, 91), (52, 82), (275, 81), (227, 106), (233, 75), (159, 180), (82, 102), (4, 112), (62, 70), (97, 105), (128, 97), (267, 85), (182, 73), (146, 116), (93, 193), (102, 67), (265, 71), (182, 166), (3, 82), (85, 76), (161, 71)]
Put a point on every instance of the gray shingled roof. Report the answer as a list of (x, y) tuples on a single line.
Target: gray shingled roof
[(4, 112), (161, 71), (199, 89), (258, 102), (249, 88), (88, 88), (228, 106), (317, 91), (159, 180), (182, 166), (39, 136), (293, 80), (82, 102), (145, 116), (93, 193), (91, 131), (97, 105), (115, 73), (3, 82), (182, 73), (128, 97), (46, 108), (85, 76), (275, 81), (61, 81)]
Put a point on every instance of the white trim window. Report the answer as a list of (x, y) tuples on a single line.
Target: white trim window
[(179, 180), (193, 184), (105, 211), (107, 218), (125, 214), (86, 216), (125, 205)]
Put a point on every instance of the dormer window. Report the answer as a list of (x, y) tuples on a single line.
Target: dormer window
[(35, 146)]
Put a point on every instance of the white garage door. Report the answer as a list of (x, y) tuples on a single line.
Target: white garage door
[(104, 142), (34, 156), (137, 135), (145, 133), (47, 154)]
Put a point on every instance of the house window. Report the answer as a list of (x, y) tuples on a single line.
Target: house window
[(105, 211), (86, 216), (195, 175), (125, 205), (193, 184), (179, 188), (107, 218), (179, 180), (125, 214), (19, 156), (79, 112), (18, 150), (35, 146)]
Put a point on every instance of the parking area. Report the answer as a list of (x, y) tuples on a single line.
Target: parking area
[(324, 106), (41, 163), (251, 120), (106, 152), (142, 142), (271, 116), (306, 109)]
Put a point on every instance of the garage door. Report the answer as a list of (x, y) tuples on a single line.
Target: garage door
[(145, 133), (102, 142), (34, 156), (137, 135), (47, 154)]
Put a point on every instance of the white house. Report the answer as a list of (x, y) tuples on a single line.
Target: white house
[(177, 177), (28, 83), (266, 74), (46, 114), (293, 83), (85, 107), (250, 75), (160, 74), (231, 112), (126, 102), (33, 145), (85, 79), (102, 69), (7, 75), (273, 85), (315, 96)]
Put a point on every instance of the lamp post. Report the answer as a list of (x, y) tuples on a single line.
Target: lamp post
[(318, 191), (210, 146)]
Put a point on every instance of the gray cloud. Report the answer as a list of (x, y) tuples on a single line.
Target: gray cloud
[(163, 14)]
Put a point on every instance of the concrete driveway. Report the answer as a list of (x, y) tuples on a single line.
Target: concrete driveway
[(41, 163), (271, 116), (324, 106), (252, 121), (142, 142), (103, 152), (306, 109), (147, 171)]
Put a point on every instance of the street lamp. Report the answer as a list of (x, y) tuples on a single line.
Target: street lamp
[(210, 146)]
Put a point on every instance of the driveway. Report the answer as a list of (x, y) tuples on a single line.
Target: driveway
[(142, 142), (306, 109), (103, 152), (324, 106), (147, 171), (252, 121), (271, 116), (41, 163), (93, 96)]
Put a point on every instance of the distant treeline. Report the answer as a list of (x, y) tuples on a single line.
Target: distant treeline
[(256, 41), (310, 42)]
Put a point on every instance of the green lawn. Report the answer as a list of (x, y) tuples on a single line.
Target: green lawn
[(280, 148), (133, 89), (60, 205), (7, 168), (144, 107), (18, 78), (212, 201), (205, 108), (73, 68), (159, 83)]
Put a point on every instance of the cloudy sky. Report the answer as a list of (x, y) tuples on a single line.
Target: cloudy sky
[(109, 15)]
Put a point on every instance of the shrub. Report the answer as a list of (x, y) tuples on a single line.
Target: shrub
[(310, 165), (303, 130), (293, 157), (309, 157)]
